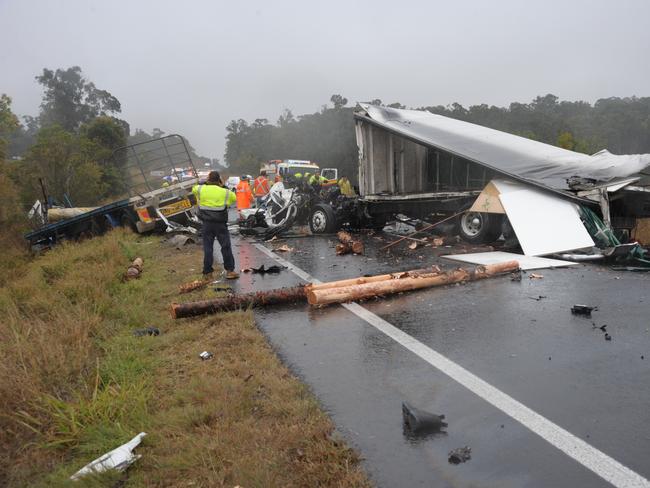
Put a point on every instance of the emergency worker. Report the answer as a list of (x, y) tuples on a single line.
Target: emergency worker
[(346, 187), (213, 200), (260, 187), (244, 193)]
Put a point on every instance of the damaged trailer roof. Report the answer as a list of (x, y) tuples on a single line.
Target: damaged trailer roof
[(521, 158)]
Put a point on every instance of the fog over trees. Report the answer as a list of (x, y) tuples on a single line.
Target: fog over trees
[(70, 142), (621, 125)]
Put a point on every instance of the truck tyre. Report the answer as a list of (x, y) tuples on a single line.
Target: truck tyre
[(479, 227), (378, 222), (127, 221), (322, 219)]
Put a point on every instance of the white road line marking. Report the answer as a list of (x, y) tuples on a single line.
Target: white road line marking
[(590, 457)]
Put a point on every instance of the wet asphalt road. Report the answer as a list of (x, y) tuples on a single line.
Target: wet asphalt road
[(539, 353)]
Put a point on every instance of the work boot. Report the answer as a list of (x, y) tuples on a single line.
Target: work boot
[(232, 275)]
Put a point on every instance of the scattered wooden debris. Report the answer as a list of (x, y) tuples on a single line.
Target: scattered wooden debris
[(193, 285), (135, 269), (423, 229), (283, 248), (348, 244)]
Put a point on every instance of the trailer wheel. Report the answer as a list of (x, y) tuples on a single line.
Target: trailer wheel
[(127, 221), (479, 227), (322, 219)]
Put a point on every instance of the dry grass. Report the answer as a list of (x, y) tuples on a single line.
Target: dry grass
[(75, 383)]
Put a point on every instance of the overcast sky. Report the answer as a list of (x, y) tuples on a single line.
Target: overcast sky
[(191, 66)]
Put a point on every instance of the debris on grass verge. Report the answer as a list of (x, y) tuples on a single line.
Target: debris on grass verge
[(118, 459), (83, 383)]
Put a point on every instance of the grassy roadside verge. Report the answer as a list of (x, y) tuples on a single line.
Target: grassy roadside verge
[(75, 382)]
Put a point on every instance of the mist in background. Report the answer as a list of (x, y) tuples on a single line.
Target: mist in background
[(192, 67)]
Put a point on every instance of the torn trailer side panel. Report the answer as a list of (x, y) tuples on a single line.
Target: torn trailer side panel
[(517, 157), (418, 163)]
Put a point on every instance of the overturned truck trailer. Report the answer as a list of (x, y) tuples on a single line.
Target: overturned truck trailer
[(418, 163)]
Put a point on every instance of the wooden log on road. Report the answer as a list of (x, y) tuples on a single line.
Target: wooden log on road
[(236, 302), (372, 279), (362, 291)]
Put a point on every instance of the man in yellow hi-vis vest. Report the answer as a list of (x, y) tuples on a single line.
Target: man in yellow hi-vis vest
[(213, 201)]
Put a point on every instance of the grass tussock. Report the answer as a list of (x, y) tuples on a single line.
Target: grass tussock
[(75, 383), (60, 393)]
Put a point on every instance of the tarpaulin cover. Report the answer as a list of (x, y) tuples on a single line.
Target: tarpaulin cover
[(509, 154)]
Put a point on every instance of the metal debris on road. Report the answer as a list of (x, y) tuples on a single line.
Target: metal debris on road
[(205, 355), (419, 421), (582, 310), (180, 240), (264, 270), (538, 298), (460, 455)]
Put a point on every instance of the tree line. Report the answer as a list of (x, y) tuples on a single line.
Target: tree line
[(621, 125), (68, 145)]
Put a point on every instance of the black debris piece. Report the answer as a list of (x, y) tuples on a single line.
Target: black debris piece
[(152, 331), (608, 337), (582, 310), (603, 327), (264, 270), (460, 455), (538, 298), (418, 421)]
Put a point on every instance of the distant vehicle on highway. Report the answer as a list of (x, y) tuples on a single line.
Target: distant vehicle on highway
[(277, 169)]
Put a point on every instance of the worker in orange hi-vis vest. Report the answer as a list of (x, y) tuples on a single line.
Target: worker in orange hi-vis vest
[(244, 193), (260, 187)]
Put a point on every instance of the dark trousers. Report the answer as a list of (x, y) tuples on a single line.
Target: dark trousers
[(219, 231)]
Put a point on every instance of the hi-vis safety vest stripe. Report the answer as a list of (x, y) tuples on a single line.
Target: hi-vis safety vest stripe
[(213, 209), (261, 186)]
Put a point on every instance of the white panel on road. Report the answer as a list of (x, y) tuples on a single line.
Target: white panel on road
[(496, 257), (544, 224)]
